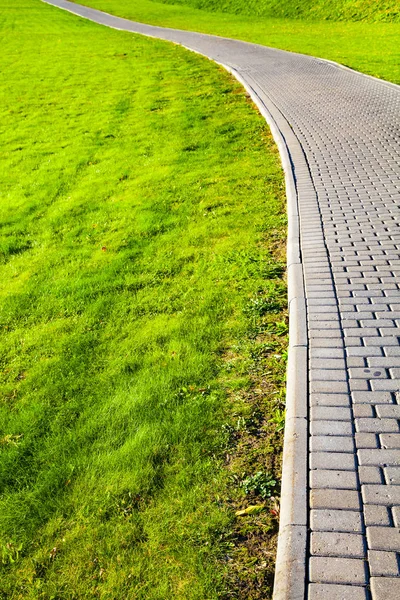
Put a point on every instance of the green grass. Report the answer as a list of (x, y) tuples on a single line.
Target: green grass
[(372, 48), (143, 319), (336, 10)]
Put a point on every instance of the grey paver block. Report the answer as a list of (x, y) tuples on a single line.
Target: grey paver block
[(328, 374), (387, 385), (331, 413), (356, 361), (380, 341), (368, 373), (341, 480), (363, 410), (327, 353), (328, 363), (331, 387), (336, 520), (366, 440), (331, 428), (372, 397), (390, 440), (396, 515), (385, 588), (376, 515), (379, 457), (383, 538), (370, 475), (383, 563), (337, 570), (388, 495), (326, 591), (356, 385), (333, 460), (327, 543), (376, 425), (363, 351), (392, 411), (335, 499), (331, 443), (392, 475), (330, 400)]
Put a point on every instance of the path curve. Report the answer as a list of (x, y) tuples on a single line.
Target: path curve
[(338, 135)]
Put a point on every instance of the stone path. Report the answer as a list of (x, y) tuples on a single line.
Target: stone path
[(338, 133)]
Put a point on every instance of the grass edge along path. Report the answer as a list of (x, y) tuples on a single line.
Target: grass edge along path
[(371, 48), (143, 319)]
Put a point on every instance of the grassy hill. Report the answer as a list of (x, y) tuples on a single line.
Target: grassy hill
[(336, 10)]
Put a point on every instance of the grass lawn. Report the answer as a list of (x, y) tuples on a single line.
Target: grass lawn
[(143, 319), (372, 48)]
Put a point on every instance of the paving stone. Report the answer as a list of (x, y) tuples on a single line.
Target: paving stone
[(383, 538), (331, 413), (328, 363), (337, 570), (390, 440), (387, 385), (327, 353), (366, 440), (333, 460), (327, 543), (372, 397), (363, 410), (363, 351), (376, 425), (370, 475), (388, 495), (330, 400), (396, 515), (385, 588), (355, 361), (392, 411), (336, 520), (331, 428), (383, 563), (378, 457), (332, 444), (340, 480), (332, 387), (325, 591), (367, 373), (335, 499), (392, 475), (376, 515), (357, 385)]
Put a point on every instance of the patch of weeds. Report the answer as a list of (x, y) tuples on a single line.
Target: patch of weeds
[(260, 484)]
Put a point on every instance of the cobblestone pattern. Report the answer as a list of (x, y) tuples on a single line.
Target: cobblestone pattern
[(348, 186)]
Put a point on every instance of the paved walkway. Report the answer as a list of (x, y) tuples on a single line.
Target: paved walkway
[(338, 133)]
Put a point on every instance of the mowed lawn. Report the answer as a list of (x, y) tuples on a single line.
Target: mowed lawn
[(370, 47), (142, 315)]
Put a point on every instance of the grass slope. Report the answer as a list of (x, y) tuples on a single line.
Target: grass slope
[(142, 318), (372, 48), (336, 10)]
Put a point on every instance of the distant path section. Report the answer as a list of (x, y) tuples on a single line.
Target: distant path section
[(338, 134)]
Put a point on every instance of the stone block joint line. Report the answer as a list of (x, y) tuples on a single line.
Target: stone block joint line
[(338, 136)]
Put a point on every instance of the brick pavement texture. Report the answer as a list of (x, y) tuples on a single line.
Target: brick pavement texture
[(342, 133)]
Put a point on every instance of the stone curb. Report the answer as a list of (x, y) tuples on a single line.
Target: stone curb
[(290, 571)]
